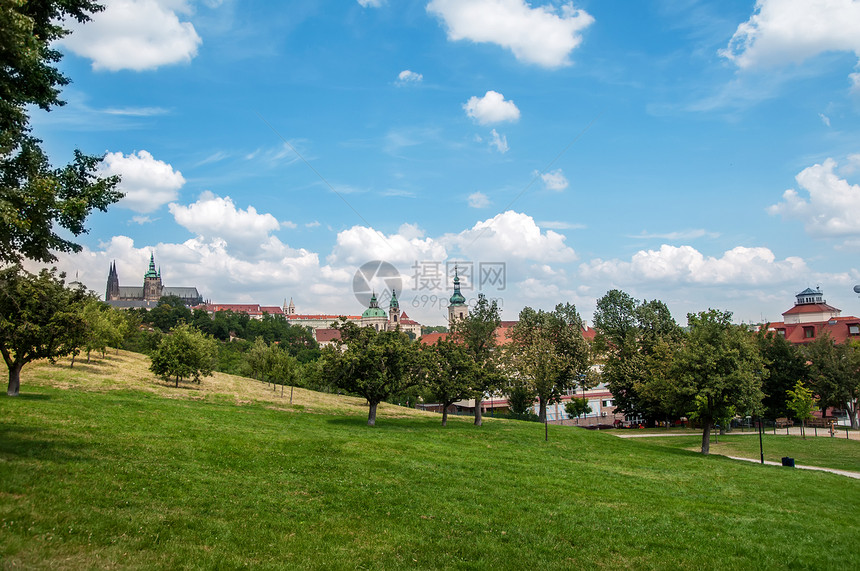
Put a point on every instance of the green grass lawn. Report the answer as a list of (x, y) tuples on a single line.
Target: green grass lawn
[(827, 452), (134, 479)]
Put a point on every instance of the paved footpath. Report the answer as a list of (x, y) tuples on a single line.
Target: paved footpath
[(793, 431), (855, 475)]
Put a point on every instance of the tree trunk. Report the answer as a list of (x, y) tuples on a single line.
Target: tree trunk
[(478, 413), (371, 415), (14, 379), (542, 410), (706, 438), (88, 356), (177, 381), (444, 415), (72, 364)]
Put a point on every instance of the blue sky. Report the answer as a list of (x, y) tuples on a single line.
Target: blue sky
[(702, 153)]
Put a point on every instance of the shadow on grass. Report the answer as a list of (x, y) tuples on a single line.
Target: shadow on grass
[(24, 443), (32, 396)]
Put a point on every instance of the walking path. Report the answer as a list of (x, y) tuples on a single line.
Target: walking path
[(793, 431), (855, 475)]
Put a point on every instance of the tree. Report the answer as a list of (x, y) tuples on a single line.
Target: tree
[(801, 402), (786, 365), (35, 199), (40, 318), (184, 353), (635, 339), (520, 400), (449, 373), (835, 374), (577, 407), (718, 370), (477, 332), (170, 312), (548, 353), (374, 365)]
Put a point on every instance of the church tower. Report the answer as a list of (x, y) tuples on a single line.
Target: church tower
[(152, 285), (112, 291), (458, 309), (393, 311)]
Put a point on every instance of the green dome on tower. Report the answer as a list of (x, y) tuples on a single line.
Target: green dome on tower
[(457, 298), (374, 310)]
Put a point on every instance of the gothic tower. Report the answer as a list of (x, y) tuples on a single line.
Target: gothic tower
[(458, 309), (152, 285), (112, 291)]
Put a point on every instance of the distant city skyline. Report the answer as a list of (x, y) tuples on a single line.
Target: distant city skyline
[(703, 153)]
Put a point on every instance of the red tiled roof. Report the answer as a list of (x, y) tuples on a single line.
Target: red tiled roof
[(324, 335), (323, 316), (431, 338), (811, 308), (272, 309)]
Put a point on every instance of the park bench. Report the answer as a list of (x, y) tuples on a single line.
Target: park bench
[(784, 422), (817, 422)]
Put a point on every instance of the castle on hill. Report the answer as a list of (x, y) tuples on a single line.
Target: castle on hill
[(149, 293)]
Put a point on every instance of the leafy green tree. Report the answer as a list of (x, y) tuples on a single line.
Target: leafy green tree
[(40, 204), (170, 312), (521, 399), (477, 332), (718, 370), (548, 353), (633, 340), (449, 373), (801, 402), (101, 329), (374, 365), (835, 374), (785, 364), (40, 318), (184, 353), (577, 407)]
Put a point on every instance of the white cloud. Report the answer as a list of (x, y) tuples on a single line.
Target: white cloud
[(680, 235), (147, 183), (833, 206), (511, 236), (500, 142), (824, 119), (554, 180), (855, 83), (360, 244), (407, 77), (213, 217), (136, 35), (313, 224), (370, 3), (686, 265), (542, 35), (478, 200), (560, 225), (141, 220), (791, 31), (491, 108)]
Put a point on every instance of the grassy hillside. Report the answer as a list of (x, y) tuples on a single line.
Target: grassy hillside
[(103, 467)]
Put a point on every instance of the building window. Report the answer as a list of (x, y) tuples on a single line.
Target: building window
[(854, 329), (808, 332), (607, 404), (780, 332)]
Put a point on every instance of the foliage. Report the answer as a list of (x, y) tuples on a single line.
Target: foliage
[(719, 370), (170, 312), (548, 353), (448, 373), (835, 374), (270, 363), (521, 398), (40, 318), (637, 342), (375, 365), (801, 402), (477, 332), (577, 407), (184, 353), (37, 200), (785, 364)]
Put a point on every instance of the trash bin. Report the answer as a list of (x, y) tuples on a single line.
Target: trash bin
[(786, 461)]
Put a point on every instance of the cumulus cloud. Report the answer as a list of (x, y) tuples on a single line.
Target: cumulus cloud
[(370, 3), (214, 217), (491, 108), (360, 244), (147, 183), (792, 31), (554, 180), (833, 204), (855, 83), (478, 200), (407, 77), (136, 35), (511, 236), (500, 142), (543, 35), (686, 265)]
